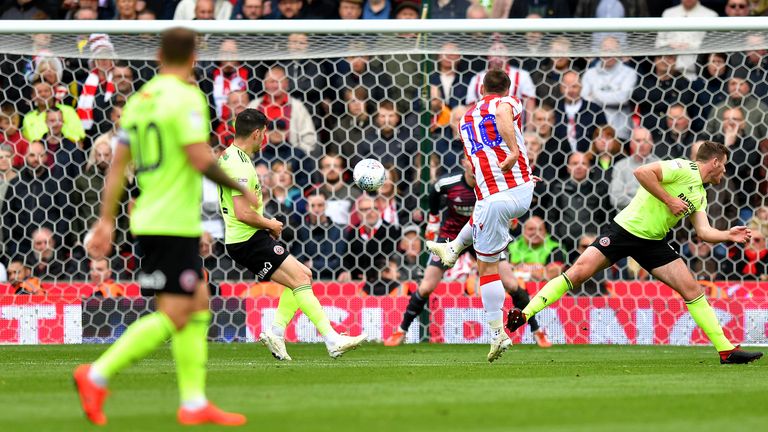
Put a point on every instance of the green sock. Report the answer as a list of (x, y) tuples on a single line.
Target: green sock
[(705, 318), (190, 352), (140, 338), (550, 293), (308, 304), (286, 309)]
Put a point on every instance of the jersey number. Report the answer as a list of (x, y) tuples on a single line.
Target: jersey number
[(149, 147), (489, 134)]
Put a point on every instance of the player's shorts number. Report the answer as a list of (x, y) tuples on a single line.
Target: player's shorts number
[(149, 145), (489, 134)]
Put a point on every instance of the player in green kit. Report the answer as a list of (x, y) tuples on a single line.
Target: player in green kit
[(671, 190), (165, 133), (251, 240)]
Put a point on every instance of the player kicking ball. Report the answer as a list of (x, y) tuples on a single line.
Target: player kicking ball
[(493, 141), (251, 240), (671, 190), (459, 194)]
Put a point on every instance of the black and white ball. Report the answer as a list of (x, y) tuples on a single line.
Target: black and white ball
[(369, 175)]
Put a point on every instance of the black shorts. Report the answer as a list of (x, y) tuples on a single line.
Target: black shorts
[(260, 254), (170, 264), (434, 260), (617, 243)]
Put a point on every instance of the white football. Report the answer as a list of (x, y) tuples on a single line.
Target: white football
[(369, 174)]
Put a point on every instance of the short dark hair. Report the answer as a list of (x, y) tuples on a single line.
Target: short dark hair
[(248, 121), (711, 149), (496, 81), (177, 45)]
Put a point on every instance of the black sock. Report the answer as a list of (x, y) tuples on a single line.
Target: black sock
[(415, 306), (520, 299)]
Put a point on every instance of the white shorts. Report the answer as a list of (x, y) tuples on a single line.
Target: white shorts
[(490, 220)]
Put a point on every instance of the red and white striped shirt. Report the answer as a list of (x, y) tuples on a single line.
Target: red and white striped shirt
[(521, 85), (486, 149)]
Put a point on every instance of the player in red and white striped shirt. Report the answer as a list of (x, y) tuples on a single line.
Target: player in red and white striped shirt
[(493, 141)]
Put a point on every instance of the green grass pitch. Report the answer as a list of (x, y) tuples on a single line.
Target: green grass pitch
[(409, 388)]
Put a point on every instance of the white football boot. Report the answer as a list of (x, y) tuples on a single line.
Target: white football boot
[(499, 344), (345, 343), (444, 251), (276, 345)]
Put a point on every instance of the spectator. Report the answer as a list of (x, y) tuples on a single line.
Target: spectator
[(11, 135), (224, 77), (65, 157), (109, 137), (276, 104), (624, 185), (714, 80), (609, 83), (124, 86), (311, 78), (749, 261), (237, 102), (85, 14), (291, 9), (406, 9), (34, 126), (611, 8), (448, 148), (285, 198), (351, 126), (381, 277), (21, 279), (755, 60), (146, 15), (700, 259), (251, 9), (535, 256), (449, 81), (740, 95), (448, 9), (522, 85), (389, 141), (7, 175), (359, 71), (577, 204), (737, 8), (551, 160), (605, 151), (477, 11), (659, 90), (100, 276), (99, 87), (278, 149), (34, 200), (339, 194), (759, 221), (371, 239), (548, 73), (46, 261), (676, 137), (576, 118), (188, 9), (350, 9), (217, 266), (3, 273), (686, 40), (23, 10), (126, 10), (744, 162), (51, 70), (377, 9), (545, 9), (392, 208), (410, 248), (319, 242)]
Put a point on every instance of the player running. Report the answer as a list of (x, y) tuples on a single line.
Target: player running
[(251, 240), (459, 195), (671, 190), (165, 133), (493, 141)]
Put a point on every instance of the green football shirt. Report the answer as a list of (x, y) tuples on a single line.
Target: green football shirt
[(649, 218), (237, 164), (163, 117)]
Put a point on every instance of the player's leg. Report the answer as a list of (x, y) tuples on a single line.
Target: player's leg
[(296, 276), (520, 300), (492, 294), (677, 275), (432, 276), (449, 252)]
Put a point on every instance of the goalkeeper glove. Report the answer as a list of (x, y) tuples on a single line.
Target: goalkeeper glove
[(433, 227)]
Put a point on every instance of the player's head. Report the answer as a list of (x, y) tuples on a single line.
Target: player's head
[(177, 48), (711, 157), (251, 129), (496, 81)]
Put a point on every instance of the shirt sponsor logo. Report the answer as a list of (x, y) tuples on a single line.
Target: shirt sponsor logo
[(155, 280), (242, 180)]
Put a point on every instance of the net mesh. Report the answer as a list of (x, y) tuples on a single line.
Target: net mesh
[(327, 95)]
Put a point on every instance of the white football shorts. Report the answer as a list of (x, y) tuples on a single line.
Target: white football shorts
[(490, 220)]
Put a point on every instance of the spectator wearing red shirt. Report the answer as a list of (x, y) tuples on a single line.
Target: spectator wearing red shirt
[(11, 135), (237, 102)]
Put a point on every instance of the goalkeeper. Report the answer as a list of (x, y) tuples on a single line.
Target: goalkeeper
[(251, 240), (671, 190)]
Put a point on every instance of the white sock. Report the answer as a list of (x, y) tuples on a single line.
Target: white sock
[(464, 239), (97, 378), (277, 330), (492, 294), (195, 404)]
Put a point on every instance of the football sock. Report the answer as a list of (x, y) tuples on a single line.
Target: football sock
[(705, 318), (308, 304), (415, 306), (492, 293), (286, 309), (520, 299), (550, 293), (190, 352), (464, 239), (140, 338)]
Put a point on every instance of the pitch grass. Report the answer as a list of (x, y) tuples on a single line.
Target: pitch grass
[(409, 388)]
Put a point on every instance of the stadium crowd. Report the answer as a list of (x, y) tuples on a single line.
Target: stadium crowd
[(588, 123)]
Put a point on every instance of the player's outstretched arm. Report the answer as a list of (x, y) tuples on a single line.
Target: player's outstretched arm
[(737, 234), (505, 119), (650, 178), (199, 155), (244, 213)]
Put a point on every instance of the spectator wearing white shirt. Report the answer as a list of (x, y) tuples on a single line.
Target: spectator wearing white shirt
[(686, 64), (222, 10), (610, 83)]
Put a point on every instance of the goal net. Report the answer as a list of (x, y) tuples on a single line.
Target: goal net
[(602, 97)]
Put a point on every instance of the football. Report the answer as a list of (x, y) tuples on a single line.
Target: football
[(369, 175)]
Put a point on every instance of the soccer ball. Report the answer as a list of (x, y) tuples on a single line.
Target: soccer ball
[(369, 175)]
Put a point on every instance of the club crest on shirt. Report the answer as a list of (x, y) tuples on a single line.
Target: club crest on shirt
[(279, 250), (605, 242)]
